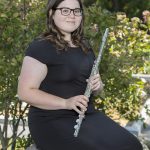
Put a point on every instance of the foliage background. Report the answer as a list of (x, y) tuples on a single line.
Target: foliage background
[(130, 7), (127, 51)]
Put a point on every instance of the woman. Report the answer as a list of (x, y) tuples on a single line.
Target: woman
[(53, 80)]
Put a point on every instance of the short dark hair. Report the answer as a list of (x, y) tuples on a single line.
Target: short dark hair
[(55, 36)]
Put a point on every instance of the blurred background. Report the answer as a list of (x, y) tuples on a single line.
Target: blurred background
[(124, 68)]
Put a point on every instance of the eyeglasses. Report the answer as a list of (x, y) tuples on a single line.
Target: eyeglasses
[(67, 11)]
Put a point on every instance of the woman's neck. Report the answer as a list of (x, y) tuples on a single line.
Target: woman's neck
[(67, 37)]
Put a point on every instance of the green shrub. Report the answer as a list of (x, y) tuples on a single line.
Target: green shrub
[(127, 52)]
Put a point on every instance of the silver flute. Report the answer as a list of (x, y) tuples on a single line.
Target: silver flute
[(88, 90)]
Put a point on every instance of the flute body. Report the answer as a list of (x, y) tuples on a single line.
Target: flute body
[(88, 90)]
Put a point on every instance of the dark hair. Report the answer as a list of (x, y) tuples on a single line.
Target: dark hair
[(54, 35)]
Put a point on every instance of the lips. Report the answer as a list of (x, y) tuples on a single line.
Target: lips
[(72, 22)]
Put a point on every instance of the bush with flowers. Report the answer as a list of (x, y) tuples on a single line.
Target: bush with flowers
[(127, 52)]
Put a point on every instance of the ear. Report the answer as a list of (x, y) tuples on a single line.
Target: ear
[(50, 12)]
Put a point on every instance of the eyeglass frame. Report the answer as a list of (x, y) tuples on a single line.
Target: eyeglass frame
[(71, 10)]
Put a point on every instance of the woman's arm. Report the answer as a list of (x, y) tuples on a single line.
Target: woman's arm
[(32, 74)]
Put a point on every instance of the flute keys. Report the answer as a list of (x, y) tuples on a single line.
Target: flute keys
[(80, 116), (76, 126), (77, 120)]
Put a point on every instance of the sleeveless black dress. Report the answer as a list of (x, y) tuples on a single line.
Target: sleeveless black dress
[(66, 77)]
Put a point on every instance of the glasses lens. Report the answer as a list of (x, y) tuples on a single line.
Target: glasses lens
[(77, 12), (65, 11)]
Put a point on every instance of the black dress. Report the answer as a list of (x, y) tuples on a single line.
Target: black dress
[(66, 77)]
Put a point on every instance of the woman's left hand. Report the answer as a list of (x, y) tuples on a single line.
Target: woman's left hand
[(95, 82)]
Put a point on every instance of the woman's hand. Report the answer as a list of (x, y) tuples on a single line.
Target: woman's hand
[(95, 83), (78, 103)]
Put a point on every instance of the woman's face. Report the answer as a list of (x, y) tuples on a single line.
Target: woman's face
[(66, 22)]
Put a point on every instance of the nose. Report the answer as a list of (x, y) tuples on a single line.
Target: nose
[(72, 14)]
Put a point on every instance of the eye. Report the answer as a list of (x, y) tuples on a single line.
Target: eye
[(65, 11), (77, 11)]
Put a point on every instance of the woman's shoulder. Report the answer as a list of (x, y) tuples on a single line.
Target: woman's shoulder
[(40, 49), (41, 43)]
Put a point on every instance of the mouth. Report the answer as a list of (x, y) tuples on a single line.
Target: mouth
[(71, 22)]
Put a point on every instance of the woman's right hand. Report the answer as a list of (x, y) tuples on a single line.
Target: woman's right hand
[(78, 103)]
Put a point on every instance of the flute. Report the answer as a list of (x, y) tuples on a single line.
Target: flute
[(88, 90)]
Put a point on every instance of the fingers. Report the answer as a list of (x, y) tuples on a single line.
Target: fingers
[(95, 78), (80, 108), (78, 103), (96, 86), (81, 104), (83, 100), (95, 82), (79, 111)]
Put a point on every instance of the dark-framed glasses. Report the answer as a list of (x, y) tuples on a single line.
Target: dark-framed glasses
[(67, 11)]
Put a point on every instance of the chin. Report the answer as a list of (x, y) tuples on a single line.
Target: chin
[(69, 30)]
